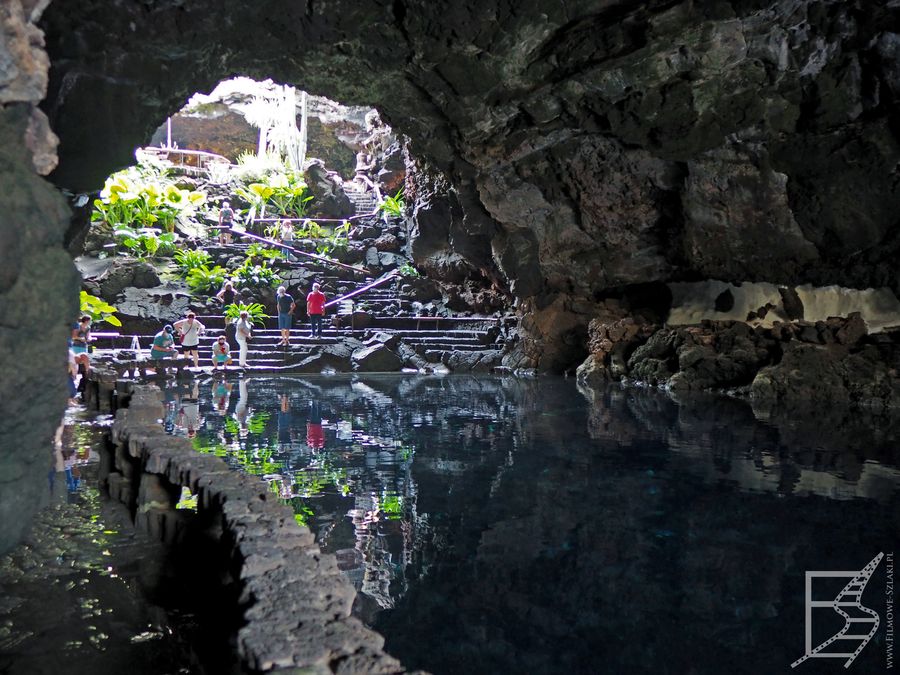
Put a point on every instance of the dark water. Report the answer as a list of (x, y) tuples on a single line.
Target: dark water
[(515, 526), (73, 597)]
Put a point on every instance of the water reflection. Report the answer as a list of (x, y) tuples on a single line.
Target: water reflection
[(500, 525)]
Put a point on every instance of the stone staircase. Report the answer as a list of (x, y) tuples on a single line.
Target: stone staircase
[(362, 199), (377, 316)]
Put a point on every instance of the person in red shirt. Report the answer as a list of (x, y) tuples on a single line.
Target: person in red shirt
[(315, 307)]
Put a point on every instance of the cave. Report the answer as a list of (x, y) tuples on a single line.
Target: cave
[(679, 193)]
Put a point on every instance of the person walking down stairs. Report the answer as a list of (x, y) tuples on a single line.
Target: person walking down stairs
[(242, 335), (315, 307)]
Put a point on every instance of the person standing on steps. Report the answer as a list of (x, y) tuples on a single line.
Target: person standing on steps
[(315, 307), (226, 220), (228, 296), (286, 234), (242, 333), (286, 308), (81, 342), (191, 330)]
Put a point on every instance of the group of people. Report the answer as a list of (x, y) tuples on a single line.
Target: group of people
[(188, 331)]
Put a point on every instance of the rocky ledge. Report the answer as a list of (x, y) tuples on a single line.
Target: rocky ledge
[(295, 602), (824, 362)]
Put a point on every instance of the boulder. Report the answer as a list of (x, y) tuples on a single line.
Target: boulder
[(123, 273), (376, 358), (329, 198)]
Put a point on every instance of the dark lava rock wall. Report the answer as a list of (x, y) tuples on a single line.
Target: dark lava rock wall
[(590, 145)]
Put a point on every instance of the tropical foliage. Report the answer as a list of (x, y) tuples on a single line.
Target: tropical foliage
[(255, 311), (188, 259), (205, 278), (145, 242), (393, 206), (144, 196), (254, 274), (98, 309)]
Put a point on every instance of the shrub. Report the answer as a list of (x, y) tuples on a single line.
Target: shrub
[(143, 196), (256, 312), (188, 259), (205, 278), (250, 274), (393, 206), (145, 242)]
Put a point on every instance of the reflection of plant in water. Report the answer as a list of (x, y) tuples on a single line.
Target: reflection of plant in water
[(187, 501), (406, 453), (302, 512), (232, 427), (209, 447), (391, 506), (257, 422)]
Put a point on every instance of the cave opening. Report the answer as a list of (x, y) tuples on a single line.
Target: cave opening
[(690, 205)]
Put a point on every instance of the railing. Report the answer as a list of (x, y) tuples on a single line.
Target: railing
[(314, 256), (387, 277), (201, 159)]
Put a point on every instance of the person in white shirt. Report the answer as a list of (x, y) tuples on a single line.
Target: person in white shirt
[(242, 335), (191, 330)]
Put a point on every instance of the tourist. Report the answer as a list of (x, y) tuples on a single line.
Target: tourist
[(286, 306), (73, 373), (315, 307), (191, 330), (228, 296), (286, 234), (226, 219), (221, 353), (80, 343), (242, 333), (163, 344)]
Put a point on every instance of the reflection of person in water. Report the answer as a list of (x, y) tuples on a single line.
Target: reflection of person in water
[(315, 437), (221, 394), (189, 414), (240, 410), (284, 421)]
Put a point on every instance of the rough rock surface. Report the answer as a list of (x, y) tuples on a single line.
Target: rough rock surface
[(377, 358), (832, 361), (38, 282)]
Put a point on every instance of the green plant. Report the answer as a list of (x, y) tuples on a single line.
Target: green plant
[(145, 242), (257, 315), (251, 274), (205, 278), (188, 259), (310, 230), (256, 250), (407, 270), (143, 196), (393, 206), (98, 309)]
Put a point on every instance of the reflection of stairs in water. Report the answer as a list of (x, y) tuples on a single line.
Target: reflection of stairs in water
[(848, 599)]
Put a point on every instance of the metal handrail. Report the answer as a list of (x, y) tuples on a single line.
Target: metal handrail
[(387, 277), (314, 256)]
